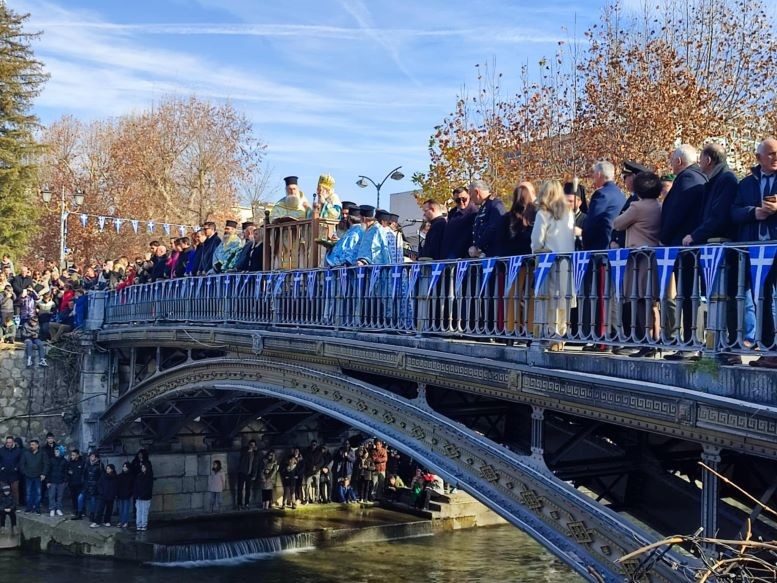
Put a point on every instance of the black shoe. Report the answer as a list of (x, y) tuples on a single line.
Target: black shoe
[(683, 356), (77, 517), (646, 352), (624, 351), (728, 359), (596, 348)]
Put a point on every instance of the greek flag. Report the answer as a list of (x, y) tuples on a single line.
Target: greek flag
[(280, 278), (84, 217), (461, 270), (258, 285), (343, 282), (415, 270), (580, 261), (298, 276), (181, 230), (117, 223), (311, 284), (396, 275), (330, 282), (135, 223), (710, 261), (665, 258), (360, 275), (227, 282), (437, 270), (374, 276), (542, 269), (761, 261), (617, 259), (150, 225), (199, 285), (513, 267), (242, 282), (101, 223), (487, 268), (166, 229)]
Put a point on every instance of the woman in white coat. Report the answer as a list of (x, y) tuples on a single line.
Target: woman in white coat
[(554, 231)]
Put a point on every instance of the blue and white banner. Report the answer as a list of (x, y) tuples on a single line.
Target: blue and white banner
[(242, 282), (542, 269), (761, 261), (617, 258), (462, 267), (150, 225), (181, 230), (343, 282), (361, 273), (280, 278), (166, 229), (227, 283), (330, 282), (374, 276), (580, 261), (199, 285), (101, 223), (513, 267), (298, 276), (311, 284), (437, 270), (415, 271), (710, 258), (665, 259), (396, 277), (84, 217), (135, 223), (258, 285), (117, 223), (487, 267)]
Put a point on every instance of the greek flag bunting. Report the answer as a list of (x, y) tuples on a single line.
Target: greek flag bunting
[(227, 283), (487, 268), (396, 276), (166, 229), (258, 285), (101, 223), (461, 270), (280, 278), (437, 270), (513, 267), (710, 257), (298, 276), (84, 217), (580, 261), (150, 225), (415, 271), (617, 259), (361, 273), (181, 230), (199, 286), (343, 275), (542, 269), (330, 282), (134, 223), (311, 284), (374, 276), (242, 282), (761, 261), (665, 258), (117, 223)]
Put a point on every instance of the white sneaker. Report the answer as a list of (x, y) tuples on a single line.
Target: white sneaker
[(52, 514), (60, 513), (29, 361), (94, 525), (107, 524), (43, 362)]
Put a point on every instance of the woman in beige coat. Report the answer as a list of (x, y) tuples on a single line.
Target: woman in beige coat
[(642, 223), (554, 231)]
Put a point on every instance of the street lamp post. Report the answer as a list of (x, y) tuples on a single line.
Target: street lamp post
[(78, 199), (395, 174)]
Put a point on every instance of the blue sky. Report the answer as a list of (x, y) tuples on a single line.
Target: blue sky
[(343, 86)]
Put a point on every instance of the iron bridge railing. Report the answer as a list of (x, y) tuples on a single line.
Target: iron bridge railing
[(703, 298)]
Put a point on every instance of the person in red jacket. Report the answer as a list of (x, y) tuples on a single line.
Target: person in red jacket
[(379, 458)]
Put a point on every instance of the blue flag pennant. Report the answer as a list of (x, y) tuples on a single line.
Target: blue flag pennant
[(298, 277), (580, 261), (199, 286), (617, 259), (311, 284), (150, 225), (542, 269), (117, 223), (166, 229), (415, 270), (84, 217), (513, 267), (437, 270), (665, 259), (101, 223), (487, 268), (343, 282), (396, 276), (280, 278), (374, 276), (710, 257), (242, 282), (761, 261), (182, 230), (330, 282), (134, 223), (258, 285), (461, 270)]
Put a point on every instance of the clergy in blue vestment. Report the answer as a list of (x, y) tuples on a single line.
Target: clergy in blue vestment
[(374, 246), (345, 250)]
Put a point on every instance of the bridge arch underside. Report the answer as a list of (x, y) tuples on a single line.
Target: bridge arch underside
[(224, 396)]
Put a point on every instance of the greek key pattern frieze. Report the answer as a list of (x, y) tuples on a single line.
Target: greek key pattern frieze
[(359, 354), (739, 422), (458, 369)]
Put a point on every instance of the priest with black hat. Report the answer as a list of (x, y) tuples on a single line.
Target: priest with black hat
[(374, 247), (226, 254), (294, 205), (344, 251)]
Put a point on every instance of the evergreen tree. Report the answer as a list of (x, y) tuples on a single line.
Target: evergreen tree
[(21, 80)]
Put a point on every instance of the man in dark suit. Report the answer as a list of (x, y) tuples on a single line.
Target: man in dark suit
[(432, 247), (208, 248), (605, 204), (244, 257), (681, 214), (716, 225), (488, 222), (755, 216), (458, 230)]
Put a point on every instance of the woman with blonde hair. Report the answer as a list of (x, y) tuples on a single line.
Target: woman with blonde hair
[(554, 231)]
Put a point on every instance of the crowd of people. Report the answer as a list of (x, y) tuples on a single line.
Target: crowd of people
[(38, 476)]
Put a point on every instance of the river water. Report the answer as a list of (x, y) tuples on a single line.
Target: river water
[(493, 554)]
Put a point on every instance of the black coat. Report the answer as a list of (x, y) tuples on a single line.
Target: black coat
[(747, 199), (256, 260), (92, 474), (182, 262), (10, 460), (7, 501), (515, 242), (75, 472), (107, 487), (457, 238), (605, 204), (143, 487), (487, 229), (244, 257), (243, 464), (683, 205), (124, 485), (619, 237), (433, 243), (719, 194), (58, 467), (208, 249)]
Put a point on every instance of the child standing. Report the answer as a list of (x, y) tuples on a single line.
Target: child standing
[(217, 483)]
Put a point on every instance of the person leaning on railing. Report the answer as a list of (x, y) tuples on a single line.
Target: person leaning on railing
[(755, 215)]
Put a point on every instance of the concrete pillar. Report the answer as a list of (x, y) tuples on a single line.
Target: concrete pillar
[(537, 432), (710, 486), (95, 314), (94, 396)]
